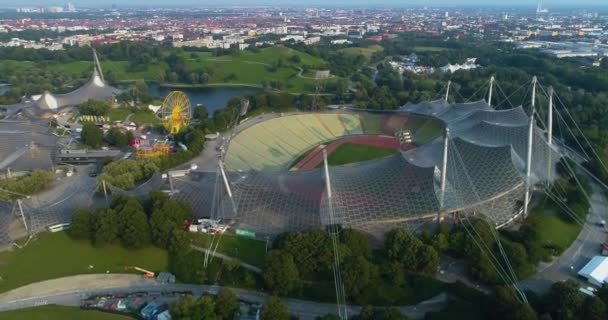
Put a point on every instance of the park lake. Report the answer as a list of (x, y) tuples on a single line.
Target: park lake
[(212, 97)]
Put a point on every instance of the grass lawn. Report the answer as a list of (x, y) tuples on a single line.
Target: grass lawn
[(248, 250), (55, 255), (366, 51), (54, 312), (269, 55), (553, 231), (352, 152), (253, 67), (429, 49), (120, 114)]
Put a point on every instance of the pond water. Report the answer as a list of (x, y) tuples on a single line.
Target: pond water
[(4, 88), (212, 97)]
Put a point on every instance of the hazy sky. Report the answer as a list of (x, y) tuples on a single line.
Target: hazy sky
[(485, 3)]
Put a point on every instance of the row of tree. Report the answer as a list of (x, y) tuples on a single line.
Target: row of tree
[(12, 188), (309, 256), (132, 223)]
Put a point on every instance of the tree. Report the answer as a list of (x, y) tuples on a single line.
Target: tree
[(117, 138), (565, 300), (602, 293), (280, 272), (274, 309), (167, 218), (204, 309), (183, 308), (91, 135), (25, 185), (505, 305), (295, 59), (226, 304), (133, 225), (357, 243), (95, 107), (428, 260), (403, 247), (82, 225), (311, 250), (106, 227), (371, 313), (357, 273), (200, 112), (594, 309)]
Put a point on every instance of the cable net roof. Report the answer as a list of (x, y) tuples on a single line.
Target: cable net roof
[(485, 175)]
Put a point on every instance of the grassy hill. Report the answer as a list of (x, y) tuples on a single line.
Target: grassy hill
[(245, 67), (255, 67)]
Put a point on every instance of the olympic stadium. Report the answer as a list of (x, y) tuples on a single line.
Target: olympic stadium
[(450, 159)]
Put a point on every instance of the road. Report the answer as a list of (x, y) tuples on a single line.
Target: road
[(304, 310)]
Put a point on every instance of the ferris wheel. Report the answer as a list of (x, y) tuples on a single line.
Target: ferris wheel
[(176, 112)]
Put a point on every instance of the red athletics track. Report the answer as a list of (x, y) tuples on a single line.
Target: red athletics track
[(315, 157)]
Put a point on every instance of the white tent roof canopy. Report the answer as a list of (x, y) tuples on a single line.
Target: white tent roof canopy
[(596, 269)]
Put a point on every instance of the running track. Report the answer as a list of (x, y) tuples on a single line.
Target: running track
[(312, 160)]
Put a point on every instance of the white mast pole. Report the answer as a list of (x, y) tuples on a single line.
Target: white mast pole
[(23, 215), (529, 164), (491, 89), (447, 91), (534, 81), (444, 171), (227, 185), (550, 118)]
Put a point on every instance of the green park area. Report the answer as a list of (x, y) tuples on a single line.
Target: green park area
[(54, 312), (55, 255), (553, 231), (352, 152), (137, 116), (246, 68), (366, 51), (429, 49), (255, 68), (247, 250)]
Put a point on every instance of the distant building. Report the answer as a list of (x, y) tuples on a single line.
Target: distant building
[(296, 38), (341, 41), (470, 64), (312, 40), (53, 9)]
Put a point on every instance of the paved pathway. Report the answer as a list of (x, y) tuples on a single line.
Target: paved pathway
[(228, 258), (71, 290)]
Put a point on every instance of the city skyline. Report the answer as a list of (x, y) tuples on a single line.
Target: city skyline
[(344, 3)]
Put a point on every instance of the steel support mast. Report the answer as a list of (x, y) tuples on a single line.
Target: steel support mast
[(491, 89), (444, 171)]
